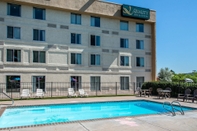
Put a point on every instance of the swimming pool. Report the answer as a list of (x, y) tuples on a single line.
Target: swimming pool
[(48, 114)]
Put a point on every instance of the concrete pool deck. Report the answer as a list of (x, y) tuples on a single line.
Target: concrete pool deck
[(161, 122)]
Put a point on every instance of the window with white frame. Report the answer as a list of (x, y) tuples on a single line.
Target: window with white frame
[(95, 59), (124, 43), (140, 61), (75, 18), (13, 55), (95, 21), (39, 56), (124, 83), (95, 40), (139, 44), (95, 83), (124, 25), (13, 32), (38, 35), (139, 27), (75, 38), (14, 10), (124, 60), (76, 58), (39, 13)]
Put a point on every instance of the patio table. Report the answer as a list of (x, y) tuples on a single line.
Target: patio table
[(166, 93)]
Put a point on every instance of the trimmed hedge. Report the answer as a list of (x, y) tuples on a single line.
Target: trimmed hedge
[(177, 87)]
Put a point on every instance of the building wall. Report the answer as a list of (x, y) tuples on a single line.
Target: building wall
[(58, 45)]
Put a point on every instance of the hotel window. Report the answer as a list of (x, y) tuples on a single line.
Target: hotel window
[(13, 9), (38, 82), (95, 83), (94, 40), (124, 43), (139, 81), (139, 27), (75, 38), (95, 59), (139, 44), (124, 83), (95, 21), (38, 35), (124, 60), (124, 25), (75, 19), (13, 32), (38, 13), (76, 58), (13, 55), (39, 57), (13, 83), (140, 61)]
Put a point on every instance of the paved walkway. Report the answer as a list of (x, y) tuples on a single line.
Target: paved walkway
[(162, 122)]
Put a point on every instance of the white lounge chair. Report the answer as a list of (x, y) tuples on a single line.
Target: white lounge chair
[(71, 92), (39, 93), (25, 93), (82, 93)]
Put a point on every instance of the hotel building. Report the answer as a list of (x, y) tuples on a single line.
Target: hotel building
[(88, 41)]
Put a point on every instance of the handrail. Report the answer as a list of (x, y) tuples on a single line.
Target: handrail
[(1, 91), (172, 111), (181, 109)]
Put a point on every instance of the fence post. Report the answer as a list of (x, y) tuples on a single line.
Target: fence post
[(96, 88), (116, 88), (51, 89), (12, 88)]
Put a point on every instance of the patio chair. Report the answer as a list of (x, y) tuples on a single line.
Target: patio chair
[(160, 94), (192, 97), (138, 91), (185, 95), (82, 93), (71, 92), (39, 93), (169, 93), (149, 93), (25, 93)]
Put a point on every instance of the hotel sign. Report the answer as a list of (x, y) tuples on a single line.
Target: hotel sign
[(135, 12)]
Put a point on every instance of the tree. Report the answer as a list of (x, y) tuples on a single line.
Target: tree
[(165, 75)]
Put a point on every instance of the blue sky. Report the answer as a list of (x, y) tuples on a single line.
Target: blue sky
[(176, 32)]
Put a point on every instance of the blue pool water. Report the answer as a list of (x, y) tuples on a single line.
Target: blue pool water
[(35, 115)]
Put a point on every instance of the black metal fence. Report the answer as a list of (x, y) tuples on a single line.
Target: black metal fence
[(60, 89)]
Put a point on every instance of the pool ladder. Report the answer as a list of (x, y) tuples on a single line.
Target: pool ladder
[(172, 104)]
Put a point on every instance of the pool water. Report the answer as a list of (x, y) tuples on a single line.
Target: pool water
[(35, 115)]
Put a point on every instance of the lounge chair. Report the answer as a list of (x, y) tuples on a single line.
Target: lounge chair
[(39, 93), (185, 95), (192, 97), (25, 93), (71, 92), (82, 93)]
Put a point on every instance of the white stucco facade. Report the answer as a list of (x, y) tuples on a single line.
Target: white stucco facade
[(58, 47)]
